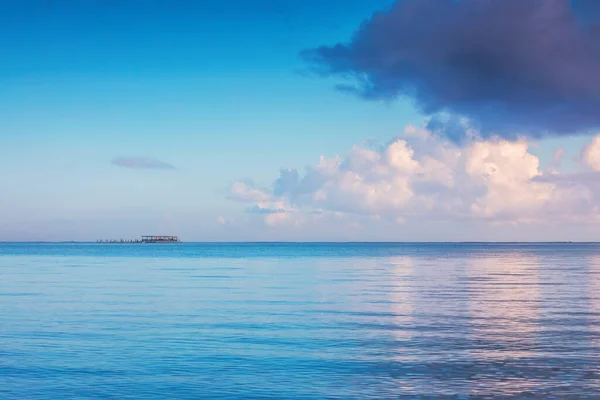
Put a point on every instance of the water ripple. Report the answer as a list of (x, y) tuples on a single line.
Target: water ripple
[(299, 321)]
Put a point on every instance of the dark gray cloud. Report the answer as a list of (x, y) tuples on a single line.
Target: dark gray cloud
[(528, 66), (141, 162)]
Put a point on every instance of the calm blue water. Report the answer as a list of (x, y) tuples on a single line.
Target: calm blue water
[(299, 321)]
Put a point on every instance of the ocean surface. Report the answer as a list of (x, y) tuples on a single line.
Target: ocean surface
[(299, 321)]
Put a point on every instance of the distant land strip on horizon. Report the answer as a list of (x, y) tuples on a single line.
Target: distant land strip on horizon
[(309, 242)]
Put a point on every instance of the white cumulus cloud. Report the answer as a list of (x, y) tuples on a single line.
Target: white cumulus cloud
[(420, 176), (591, 154)]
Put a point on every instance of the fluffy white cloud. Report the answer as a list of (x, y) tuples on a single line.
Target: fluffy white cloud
[(506, 171), (591, 154), (422, 177)]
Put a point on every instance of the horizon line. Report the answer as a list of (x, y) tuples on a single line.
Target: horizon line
[(310, 242)]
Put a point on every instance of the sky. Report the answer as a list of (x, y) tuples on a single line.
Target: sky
[(280, 120)]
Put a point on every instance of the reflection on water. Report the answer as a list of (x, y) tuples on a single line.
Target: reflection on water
[(592, 306), (504, 304), (350, 321), (400, 280)]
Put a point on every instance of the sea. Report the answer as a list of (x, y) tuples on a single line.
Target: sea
[(299, 321)]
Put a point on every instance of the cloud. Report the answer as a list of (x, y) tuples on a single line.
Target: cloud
[(558, 154), (141, 162), (422, 178), (511, 67), (246, 192), (264, 210), (590, 154)]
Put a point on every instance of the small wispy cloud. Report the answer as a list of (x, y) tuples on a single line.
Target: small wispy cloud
[(245, 191), (265, 210), (141, 163)]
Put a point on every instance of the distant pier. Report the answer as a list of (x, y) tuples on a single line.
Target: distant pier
[(144, 239)]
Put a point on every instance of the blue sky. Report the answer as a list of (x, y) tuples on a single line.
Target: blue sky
[(216, 89)]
